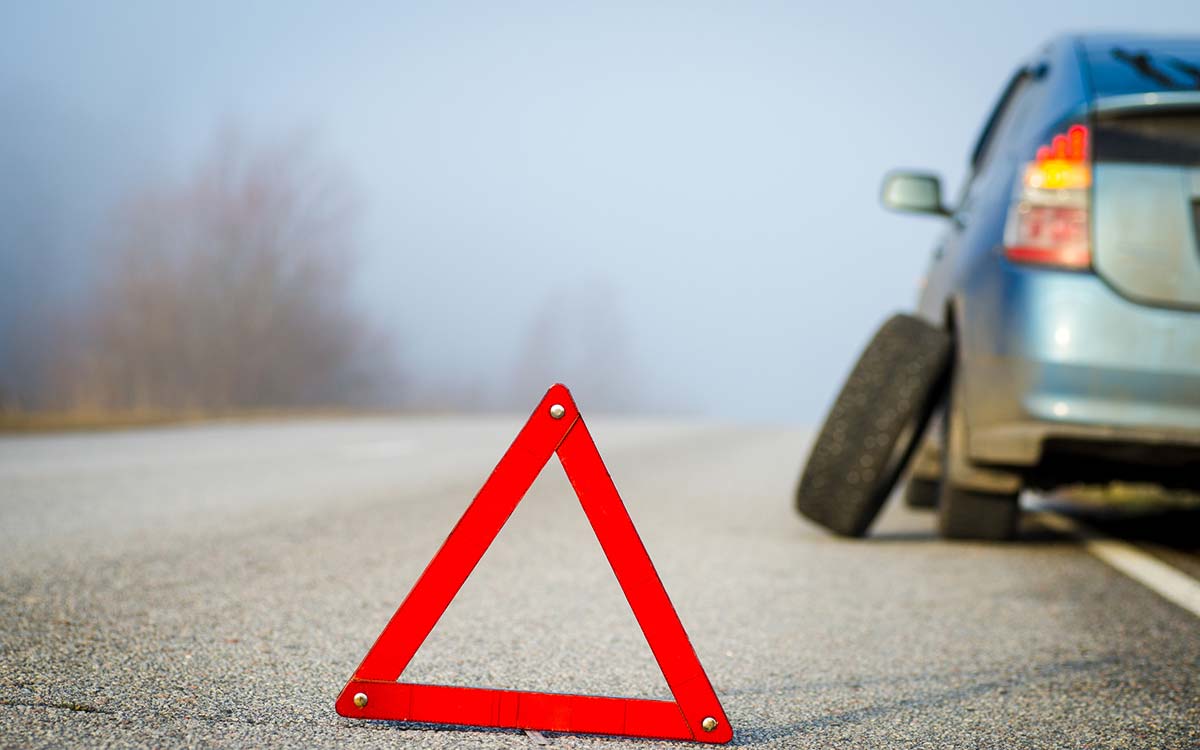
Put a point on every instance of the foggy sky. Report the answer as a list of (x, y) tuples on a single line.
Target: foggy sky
[(712, 168)]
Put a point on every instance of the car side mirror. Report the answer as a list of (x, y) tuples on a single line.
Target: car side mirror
[(914, 192)]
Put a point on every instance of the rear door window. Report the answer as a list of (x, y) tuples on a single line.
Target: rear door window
[(1000, 123)]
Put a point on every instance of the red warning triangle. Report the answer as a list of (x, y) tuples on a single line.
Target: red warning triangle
[(556, 427)]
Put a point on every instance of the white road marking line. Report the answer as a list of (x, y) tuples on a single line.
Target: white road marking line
[(1156, 575)]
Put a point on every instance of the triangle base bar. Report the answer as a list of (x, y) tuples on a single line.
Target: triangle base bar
[(514, 709)]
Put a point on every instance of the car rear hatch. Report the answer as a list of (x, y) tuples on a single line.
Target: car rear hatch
[(1146, 171)]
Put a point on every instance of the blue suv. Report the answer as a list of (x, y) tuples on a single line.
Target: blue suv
[(1058, 330)]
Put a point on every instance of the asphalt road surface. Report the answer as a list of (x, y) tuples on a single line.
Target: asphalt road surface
[(215, 586)]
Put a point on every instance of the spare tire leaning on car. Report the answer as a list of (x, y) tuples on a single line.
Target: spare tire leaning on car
[(875, 423)]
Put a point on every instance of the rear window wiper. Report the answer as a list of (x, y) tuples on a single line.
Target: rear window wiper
[(1144, 64), (1187, 68)]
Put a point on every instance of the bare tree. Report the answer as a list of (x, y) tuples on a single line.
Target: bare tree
[(228, 290)]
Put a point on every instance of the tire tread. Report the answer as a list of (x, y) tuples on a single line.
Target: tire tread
[(897, 381)]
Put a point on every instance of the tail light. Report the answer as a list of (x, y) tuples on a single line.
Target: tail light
[(1049, 217)]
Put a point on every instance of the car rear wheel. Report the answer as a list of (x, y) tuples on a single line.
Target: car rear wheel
[(970, 513), (922, 494), (874, 425)]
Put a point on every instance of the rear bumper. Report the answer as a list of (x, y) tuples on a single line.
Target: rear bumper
[(1061, 356)]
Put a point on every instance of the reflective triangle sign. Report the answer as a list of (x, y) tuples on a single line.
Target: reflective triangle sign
[(555, 427)]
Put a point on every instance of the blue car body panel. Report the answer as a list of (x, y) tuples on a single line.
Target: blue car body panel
[(1109, 355)]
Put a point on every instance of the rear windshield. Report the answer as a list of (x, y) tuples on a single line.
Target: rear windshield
[(1141, 66), (1159, 138)]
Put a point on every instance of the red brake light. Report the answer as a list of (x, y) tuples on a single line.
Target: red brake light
[(1077, 141), (1048, 220), (1060, 257)]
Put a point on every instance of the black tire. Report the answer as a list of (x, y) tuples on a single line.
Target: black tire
[(968, 513), (874, 425), (984, 516), (922, 494)]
